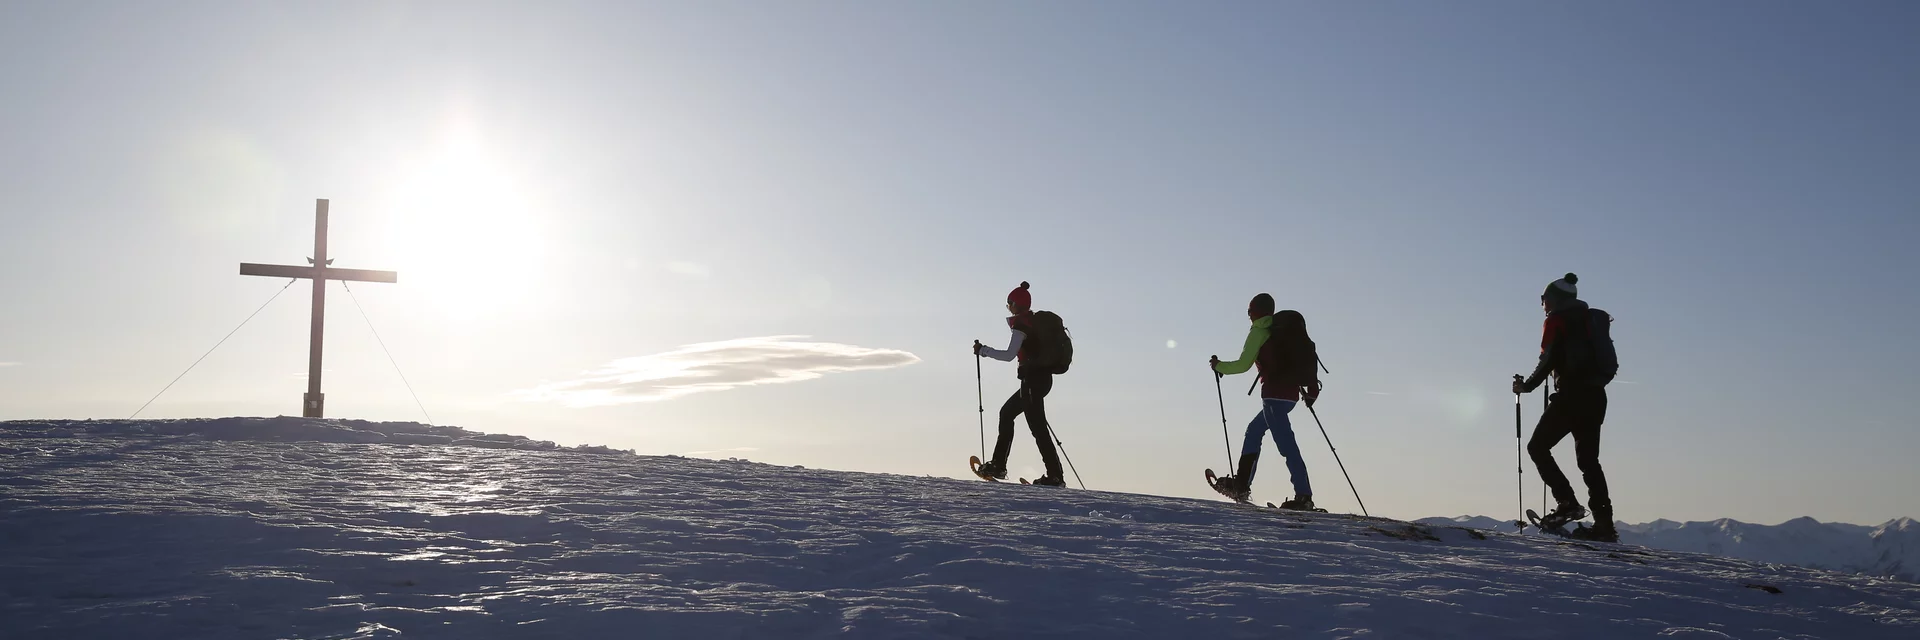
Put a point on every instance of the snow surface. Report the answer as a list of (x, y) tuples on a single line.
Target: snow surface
[(293, 528), (1891, 550)]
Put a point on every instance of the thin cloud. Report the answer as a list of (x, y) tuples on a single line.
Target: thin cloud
[(11, 364), (714, 366), (693, 269), (1378, 393)]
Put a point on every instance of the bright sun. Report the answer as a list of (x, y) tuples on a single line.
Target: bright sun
[(463, 231)]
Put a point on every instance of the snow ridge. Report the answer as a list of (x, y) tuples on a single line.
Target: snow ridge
[(294, 528), (1891, 550)]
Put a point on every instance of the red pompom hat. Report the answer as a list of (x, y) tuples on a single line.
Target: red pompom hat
[(1020, 299)]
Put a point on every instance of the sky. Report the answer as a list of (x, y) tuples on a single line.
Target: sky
[(772, 230)]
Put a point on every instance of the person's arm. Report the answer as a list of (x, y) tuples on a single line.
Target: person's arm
[(1013, 348), (1549, 354), (1255, 338)]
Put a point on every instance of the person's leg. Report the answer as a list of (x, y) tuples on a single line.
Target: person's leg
[(1553, 427), (1250, 451), (1037, 386), (1003, 444), (1282, 428), (1589, 412)]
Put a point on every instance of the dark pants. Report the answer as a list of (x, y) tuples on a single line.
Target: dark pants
[(1031, 400), (1578, 412)]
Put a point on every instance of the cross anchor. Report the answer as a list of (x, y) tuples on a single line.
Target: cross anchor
[(320, 271)]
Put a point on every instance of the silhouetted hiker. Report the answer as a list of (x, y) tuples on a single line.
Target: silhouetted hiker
[(1040, 344), (1576, 348), (1278, 344)]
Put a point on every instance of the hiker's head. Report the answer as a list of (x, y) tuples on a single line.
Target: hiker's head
[(1560, 292), (1019, 300), (1260, 307)]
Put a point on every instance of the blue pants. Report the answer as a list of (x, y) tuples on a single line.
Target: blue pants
[(1273, 417)]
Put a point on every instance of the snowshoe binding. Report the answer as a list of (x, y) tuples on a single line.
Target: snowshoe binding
[(1281, 507), (989, 472), (1229, 487), (1557, 521), (1300, 503), (1046, 481), (1562, 515), (1596, 533)]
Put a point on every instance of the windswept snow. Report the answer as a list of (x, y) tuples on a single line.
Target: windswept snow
[(291, 528)]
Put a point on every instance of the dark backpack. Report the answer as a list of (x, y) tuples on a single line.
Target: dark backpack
[(1300, 361), (1591, 358), (1048, 347)]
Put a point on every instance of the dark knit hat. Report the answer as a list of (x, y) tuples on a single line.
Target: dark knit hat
[(1260, 305), (1562, 289), (1020, 299)]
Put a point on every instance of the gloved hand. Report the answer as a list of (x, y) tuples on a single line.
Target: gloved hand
[(976, 347), (1519, 384), (1312, 394), (1214, 364)]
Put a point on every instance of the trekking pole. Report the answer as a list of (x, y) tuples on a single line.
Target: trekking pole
[(1336, 459), (1225, 439), (1519, 483), (1063, 455), (980, 398)]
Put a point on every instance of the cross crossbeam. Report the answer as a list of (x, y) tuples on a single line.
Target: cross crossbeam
[(313, 405)]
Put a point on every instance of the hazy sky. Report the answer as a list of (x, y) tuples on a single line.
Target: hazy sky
[(617, 224)]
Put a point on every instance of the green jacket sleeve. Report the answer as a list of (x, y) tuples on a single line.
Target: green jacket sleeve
[(1255, 338)]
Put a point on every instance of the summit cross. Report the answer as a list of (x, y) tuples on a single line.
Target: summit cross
[(320, 269)]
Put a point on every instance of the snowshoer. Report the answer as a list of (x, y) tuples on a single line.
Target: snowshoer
[(1576, 349), (1031, 345), (1279, 346)]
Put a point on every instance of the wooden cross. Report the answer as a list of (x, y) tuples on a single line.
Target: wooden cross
[(320, 272)]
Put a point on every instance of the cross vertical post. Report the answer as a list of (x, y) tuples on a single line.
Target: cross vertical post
[(314, 403)]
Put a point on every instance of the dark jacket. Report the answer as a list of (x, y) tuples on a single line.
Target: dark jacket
[(1567, 350)]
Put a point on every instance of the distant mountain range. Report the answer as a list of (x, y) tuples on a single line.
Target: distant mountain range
[(1891, 550)]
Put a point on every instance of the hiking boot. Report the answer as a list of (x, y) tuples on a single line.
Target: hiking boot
[(1602, 532), (1298, 503), (1563, 514), (1229, 486), (995, 470), (1049, 481)]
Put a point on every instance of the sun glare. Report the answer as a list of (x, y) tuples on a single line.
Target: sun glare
[(463, 232)]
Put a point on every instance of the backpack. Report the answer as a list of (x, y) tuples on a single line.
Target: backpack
[(1301, 362), (1591, 358), (1048, 347)]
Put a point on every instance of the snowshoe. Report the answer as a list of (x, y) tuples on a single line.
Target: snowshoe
[(1228, 487), (1299, 503), (989, 472), (1047, 481), (1558, 529), (1278, 507), (1562, 515)]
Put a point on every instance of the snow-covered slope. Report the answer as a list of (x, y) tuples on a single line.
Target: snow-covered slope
[(1891, 550), (289, 528)]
